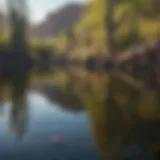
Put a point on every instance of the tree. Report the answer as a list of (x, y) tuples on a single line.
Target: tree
[(1, 25), (112, 25), (18, 18)]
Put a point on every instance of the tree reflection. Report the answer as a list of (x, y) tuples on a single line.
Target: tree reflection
[(19, 111), (120, 115)]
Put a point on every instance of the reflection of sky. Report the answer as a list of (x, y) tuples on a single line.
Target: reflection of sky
[(40, 7), (45, 121)]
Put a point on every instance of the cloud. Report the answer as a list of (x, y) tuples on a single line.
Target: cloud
[(36, 12), (2, 5), (38, 16)]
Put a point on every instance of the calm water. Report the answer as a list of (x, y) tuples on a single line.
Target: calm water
[(77, 115), (40, 125)]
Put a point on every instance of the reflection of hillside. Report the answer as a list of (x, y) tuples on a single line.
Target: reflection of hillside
[(139, 114), (120, 114), (66, 100)]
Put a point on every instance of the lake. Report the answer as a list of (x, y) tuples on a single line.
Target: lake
[(74, 114)]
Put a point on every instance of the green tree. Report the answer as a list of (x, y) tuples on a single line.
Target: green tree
[(112, 25)]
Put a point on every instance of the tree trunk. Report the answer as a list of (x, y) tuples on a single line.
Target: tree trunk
[(17, 9), (110, 27)]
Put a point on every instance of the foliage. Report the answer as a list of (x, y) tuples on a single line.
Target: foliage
[(92, 22), (130, 18), (4, 45), (89, 34), (124, 41), (42, 49)]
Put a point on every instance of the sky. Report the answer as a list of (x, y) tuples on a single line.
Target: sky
[(39, 8)]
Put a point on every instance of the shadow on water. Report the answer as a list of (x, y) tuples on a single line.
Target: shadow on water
[(124, 120)]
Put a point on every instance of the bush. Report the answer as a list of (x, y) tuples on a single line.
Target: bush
[(4, 45), (39, 49), (125, 41)]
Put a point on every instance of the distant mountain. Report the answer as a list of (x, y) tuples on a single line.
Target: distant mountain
[(57, 21)]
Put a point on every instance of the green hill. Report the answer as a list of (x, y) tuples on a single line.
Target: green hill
[(140, 23)]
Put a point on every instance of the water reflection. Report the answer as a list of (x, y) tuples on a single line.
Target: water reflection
[(121, 115), (18, 115), (124, 119), (15, 89)]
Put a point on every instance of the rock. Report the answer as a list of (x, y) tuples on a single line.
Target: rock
[(56, 139)]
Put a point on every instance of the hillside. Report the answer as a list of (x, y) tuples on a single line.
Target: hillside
[(87, 25), (141, 23), (57, 21), (93, 22)]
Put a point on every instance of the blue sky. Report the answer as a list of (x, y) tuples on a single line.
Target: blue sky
[(39, 8)]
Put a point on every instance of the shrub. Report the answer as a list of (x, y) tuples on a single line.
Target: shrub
[(125, 41)]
